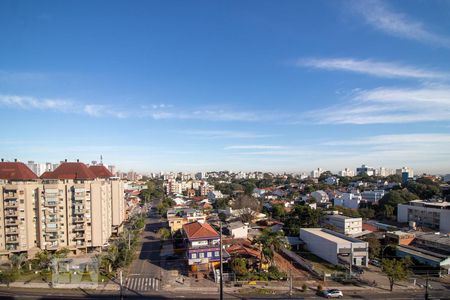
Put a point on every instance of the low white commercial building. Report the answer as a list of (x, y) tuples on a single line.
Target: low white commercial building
[(320, 196), (434, 215), (348, 200), (238, 230), (336, 248), (344, 224)]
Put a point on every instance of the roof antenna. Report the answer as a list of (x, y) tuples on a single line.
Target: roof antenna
[(101, 159)]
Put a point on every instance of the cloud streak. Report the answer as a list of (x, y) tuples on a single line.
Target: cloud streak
[(254, 147), (388, 105), (380, 16), (370, 67)]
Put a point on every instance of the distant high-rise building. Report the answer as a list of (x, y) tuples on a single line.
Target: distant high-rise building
[(365, 170), (316, 173), (347, 172)]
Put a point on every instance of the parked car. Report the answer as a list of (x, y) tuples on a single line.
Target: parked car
[(375, 263), (334, 293)]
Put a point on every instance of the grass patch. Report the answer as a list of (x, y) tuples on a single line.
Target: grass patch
[(318, 263)]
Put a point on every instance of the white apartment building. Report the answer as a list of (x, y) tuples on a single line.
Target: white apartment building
[(345, 225), (347, 172), (435, 215), (316, 173), (336, 248), (73, 207), (348, 200), (372, 196)]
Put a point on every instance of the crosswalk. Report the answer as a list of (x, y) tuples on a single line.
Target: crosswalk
[(142, 284)]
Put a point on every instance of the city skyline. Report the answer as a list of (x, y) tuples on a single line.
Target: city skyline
[(239, 86)]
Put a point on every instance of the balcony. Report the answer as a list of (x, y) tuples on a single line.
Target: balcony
[(12, 247), (52, 246), (77, 212), (78, 228), (12, 241), (10, 204), (51, 203), (10, 195), (11, 222), (52, 237), (11, 213), (78, 220), (11, 232), (51, 229), (79, 237)]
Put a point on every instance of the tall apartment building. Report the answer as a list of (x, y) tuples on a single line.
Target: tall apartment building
[(435, 215), (19, 203), (73, 207)]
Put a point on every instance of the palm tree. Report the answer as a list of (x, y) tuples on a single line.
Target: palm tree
[(270, 242), (42, 259), (111, 258), (18, 260)]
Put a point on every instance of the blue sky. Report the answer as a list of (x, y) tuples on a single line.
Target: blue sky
[(236, 85)]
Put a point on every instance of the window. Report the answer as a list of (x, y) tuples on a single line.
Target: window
[(201, 255), (209, 254), (194, 255), (216, 253)]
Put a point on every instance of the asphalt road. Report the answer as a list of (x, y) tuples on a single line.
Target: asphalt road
[(82, 294)]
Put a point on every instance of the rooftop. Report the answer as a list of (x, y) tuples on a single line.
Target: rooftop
[(70, 170), (196, 230), (341, 217), (101, 171), (443, 239), (16, 171), (330, 235)]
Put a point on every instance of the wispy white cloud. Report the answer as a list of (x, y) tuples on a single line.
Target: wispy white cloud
[(207, 115), (25, 102), (390, 139), (370, 67), (258, 147), (382, 17), (226, 134), (95, 110), (388, 105)]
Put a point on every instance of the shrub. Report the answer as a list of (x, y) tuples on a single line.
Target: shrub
[(304, 287), (319, 288)]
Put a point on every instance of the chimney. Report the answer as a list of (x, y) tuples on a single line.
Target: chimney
[(78, 160), (15, 159), (65, 160), (3, 160)]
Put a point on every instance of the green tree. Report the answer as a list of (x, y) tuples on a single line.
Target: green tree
[(18, 260), (239, 266), (366, 212), (8, 276), (396, 270), (42, 260), (164, 233), (270, 242), (374, 247), (278, 211), (301, 216)]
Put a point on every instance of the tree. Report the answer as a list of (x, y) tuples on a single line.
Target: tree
[(395, 197), (301, 216), (366, 213), (18, 260), (222, 216), (278, 211), (374, 247), (42, 260), (269, 242), (247, 207), (396, 270), (164, 233), (8, 276), (239, 266)]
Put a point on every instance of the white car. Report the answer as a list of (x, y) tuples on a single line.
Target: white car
[(333, 293)]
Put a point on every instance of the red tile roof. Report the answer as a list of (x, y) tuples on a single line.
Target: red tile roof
[(196, 230), (70, 170), (243, 250), (16, 171), (101, 172)]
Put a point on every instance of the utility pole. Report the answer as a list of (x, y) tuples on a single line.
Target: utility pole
[(121, 282), (290, 281), (351, 259), (426, 288), (221, 265), (129, 240)]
